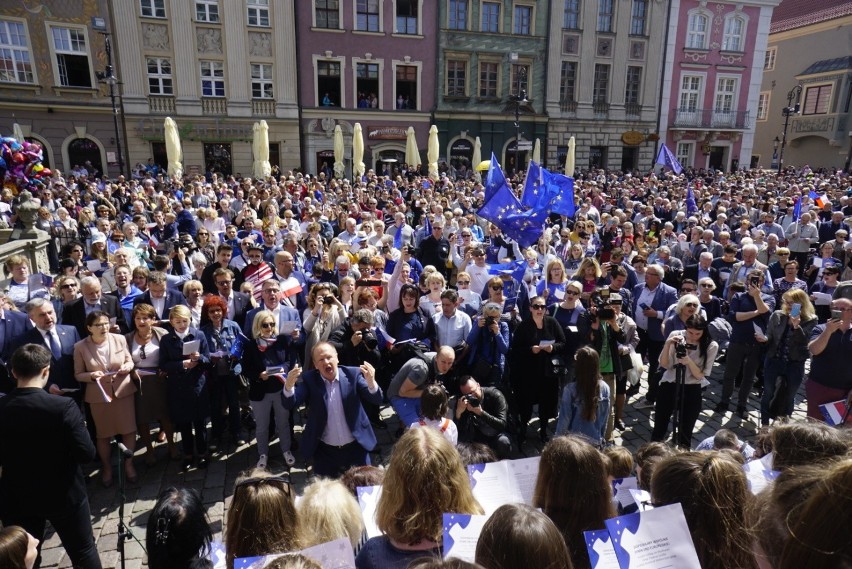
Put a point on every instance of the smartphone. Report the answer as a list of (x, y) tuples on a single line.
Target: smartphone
[(795, 310), (644, 306), (754, 281), (836, 314)]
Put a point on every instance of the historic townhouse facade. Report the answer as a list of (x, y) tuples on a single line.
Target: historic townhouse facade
[(711, 80), (603, 83), (491, 54), (808, 46), (370, 62)]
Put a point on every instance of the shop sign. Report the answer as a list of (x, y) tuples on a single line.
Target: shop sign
[(153, 129), (632, 138), (387, 133)]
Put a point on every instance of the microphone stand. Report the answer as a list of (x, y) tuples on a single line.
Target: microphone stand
[(124, 532)]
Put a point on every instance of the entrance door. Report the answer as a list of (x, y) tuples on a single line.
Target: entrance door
[(597, 157), (83, 150), (717, 158), (217, 158), (629, 155)]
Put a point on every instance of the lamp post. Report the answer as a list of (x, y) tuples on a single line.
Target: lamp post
[(790, 109), (519, 99), (108, 76)]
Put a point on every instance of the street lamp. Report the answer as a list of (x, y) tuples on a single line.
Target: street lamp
[(108, 76), (520, 99), (790, 109)]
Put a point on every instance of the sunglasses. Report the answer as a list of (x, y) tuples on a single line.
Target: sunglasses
[(284, 481), (571, 293), (69, 285), (496, 287), (538, 306), (267, 325), (463, 282), (707, 286), (691, 305)]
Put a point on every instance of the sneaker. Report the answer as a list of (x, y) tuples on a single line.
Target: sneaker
[(289, 458), (261, 462), (643, 404)]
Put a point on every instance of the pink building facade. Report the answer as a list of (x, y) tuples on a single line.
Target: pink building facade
[(711, 80), (367, 62)]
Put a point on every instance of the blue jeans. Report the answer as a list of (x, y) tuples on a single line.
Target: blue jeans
[(793, 372), (407, 408)]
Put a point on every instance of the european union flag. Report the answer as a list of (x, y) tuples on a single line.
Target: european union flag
[(666, 158), (239, 346), (562, 188), (504, 210), (427, 226), (495, 179), (537, 194), (797, 209), (691, 206), (515, 268)]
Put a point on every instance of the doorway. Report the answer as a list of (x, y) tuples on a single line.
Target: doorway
[(717, 158), (217, 158), (629, 156)]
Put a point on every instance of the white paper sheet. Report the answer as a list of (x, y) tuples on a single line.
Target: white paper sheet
[(821, 299), (287, 326), (191, 347), (504, 482), (368, 499), (461, 532), (653, 539), (93, 265)]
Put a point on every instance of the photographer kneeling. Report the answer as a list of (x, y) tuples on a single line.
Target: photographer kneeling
[(695, 351), (481, 414)]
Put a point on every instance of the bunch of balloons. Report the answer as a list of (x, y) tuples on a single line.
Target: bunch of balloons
[(20, 164)]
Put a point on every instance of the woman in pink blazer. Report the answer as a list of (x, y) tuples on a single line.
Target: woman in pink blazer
[(103, 363)]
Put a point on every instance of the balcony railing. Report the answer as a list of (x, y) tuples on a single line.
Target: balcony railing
[(633, 109), (263, 107), (600, 108), (710, 118), (161, 105), (214, 106), (568, 106)]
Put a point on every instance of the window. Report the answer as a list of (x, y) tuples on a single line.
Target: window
[(817, 100), (406, 87), (72, 57), (488, 77), (258, 13), (367, 83), (520, 78), (769, 58), (633, 86), (522, 26), (690, 93), (456, 78), (328, 84), (684, 152), (207, 10), (153, 8), (763, 106), (367, 15), (605, 11), (328, 14), (696, 34), (568, 81), (726, 91), (261, 81), (571, 16), (732, 40), (15, 64), (601, 84), (638, 14), (406, 17), (457, 17), (490, 17), (212, 79), (159, 76)]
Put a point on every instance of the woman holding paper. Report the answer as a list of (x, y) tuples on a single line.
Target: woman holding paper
[(537, 341), (266, 362), (221, 334), (552, 288), (103, 362), (822, 292), (152, 398), (184, 355)]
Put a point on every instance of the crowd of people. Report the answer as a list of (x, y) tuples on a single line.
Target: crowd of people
[(174, 304)]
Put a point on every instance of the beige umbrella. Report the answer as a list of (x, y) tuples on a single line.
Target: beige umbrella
[(339, 166), (173, 149), (412, 153), (432, 152), (569, 158), (260, 149), (477, 158), (536, 157), (358, 167), (17, 133)]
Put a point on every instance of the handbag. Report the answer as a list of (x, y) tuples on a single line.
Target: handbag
[(635, 372)]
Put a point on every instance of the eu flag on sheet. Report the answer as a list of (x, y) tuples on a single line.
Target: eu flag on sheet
[(563, 192), (666, 158), (691, 206), (537, 194), (495, 179)]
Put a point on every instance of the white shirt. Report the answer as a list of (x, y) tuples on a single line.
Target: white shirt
[(230, 301), (454, 330), (159, 305)]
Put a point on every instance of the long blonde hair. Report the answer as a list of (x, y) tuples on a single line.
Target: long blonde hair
[(795, 295)]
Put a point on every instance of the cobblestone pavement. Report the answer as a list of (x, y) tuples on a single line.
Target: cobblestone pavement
[(217, 481)]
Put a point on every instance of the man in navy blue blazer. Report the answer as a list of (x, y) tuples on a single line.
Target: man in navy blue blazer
[(158, 296), (650, 301), (338, 434), (13, 324), (59, 339)]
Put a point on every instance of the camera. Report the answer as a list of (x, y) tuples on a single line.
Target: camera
[(489, 320), (472, 400), (328, 299), (601, 302), (369, 339), (681, 349), (754, 281)]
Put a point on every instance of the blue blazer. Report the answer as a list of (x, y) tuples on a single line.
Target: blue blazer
[(16, 323), (61, 370), (173, 298), (353, 388), (664, 297)]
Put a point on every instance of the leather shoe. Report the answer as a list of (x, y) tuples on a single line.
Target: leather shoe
[(720, 408), (619, 424), (742, 412)]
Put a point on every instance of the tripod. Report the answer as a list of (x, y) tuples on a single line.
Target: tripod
[(680, 380), (124, 532)]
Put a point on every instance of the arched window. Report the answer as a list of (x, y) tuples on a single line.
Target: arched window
[(86, 154), (697, 32), (732, 40)]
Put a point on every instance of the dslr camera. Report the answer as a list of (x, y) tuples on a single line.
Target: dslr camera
[(472, 400), (369, 339), (682, 348)]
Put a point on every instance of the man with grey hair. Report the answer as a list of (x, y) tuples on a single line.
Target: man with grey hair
[(92, 298), (60, 340), (741, 269), (801, 235), (401, 232)]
